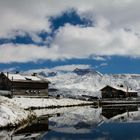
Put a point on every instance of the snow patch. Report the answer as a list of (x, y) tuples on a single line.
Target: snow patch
[(11, 114), (44, 103)]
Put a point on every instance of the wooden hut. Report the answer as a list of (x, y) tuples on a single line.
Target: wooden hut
[(19, 84), (117, 92)]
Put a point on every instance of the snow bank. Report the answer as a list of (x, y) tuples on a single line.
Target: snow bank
[(11, 114), (46, 103)]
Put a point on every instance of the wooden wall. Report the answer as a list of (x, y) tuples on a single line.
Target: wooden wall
[(24, 87)]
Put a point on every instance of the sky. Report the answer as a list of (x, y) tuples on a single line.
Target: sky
[(46, 33)]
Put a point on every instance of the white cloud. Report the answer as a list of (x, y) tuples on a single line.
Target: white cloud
[(21, 15), (71, 67), (25, 53), (76, 42), (32, 15), (101, 65), (79, 42), (108, 37), (99, 58)]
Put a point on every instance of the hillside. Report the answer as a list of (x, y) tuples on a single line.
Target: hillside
[(78, 80)]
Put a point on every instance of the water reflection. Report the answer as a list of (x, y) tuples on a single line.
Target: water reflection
[(80, 123), (33, 130), (111, 111)]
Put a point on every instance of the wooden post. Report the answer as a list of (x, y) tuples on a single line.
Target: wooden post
[(12, 88), (127, 91)]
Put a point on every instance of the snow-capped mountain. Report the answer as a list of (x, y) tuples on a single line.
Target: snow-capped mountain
[(79, 80), (81, 69)]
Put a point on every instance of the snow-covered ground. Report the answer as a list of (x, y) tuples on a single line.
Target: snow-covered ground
[(11, 114), (27, 103), (12, 111)]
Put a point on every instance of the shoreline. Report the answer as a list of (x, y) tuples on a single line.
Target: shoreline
[(124, 101), (39, 103), (18, 111)]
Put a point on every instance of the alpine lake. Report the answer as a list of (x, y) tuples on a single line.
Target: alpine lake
[(117, 122)]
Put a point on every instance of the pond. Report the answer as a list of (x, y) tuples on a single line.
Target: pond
[(81, 123)]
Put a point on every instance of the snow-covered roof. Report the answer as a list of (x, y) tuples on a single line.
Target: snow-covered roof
[(121, 88), (17, 77), (14, 76), (125, 89)]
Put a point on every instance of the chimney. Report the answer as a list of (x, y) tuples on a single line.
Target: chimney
[(34, 74), (16, 72)]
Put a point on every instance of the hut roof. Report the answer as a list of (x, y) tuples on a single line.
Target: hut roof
[(19, 77), (124, 89)]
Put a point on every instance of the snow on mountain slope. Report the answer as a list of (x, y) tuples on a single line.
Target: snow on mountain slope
[(92, 83), (58, 69), (73, 81), (84, 80)]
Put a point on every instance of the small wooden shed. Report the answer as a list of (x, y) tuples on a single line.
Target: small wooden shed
[(117, 92), (19, 84)]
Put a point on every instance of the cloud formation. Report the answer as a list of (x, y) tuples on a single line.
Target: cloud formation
[(33, 15), (24, 53), (115, 29), (76, 41)]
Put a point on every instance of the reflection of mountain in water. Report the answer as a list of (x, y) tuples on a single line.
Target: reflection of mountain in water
[(85, 125), (78, 119), (111, 111)]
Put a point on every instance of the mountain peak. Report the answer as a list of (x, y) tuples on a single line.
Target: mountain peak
[(82, 71)]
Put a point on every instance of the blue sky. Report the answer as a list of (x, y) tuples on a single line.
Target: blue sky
[(35, 35)]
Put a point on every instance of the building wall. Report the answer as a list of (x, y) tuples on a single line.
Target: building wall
[(37, 92), (132, 94), (5, 84), (31, 89), (112, 93), (24, 87), (29, 85), (109, 92)]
